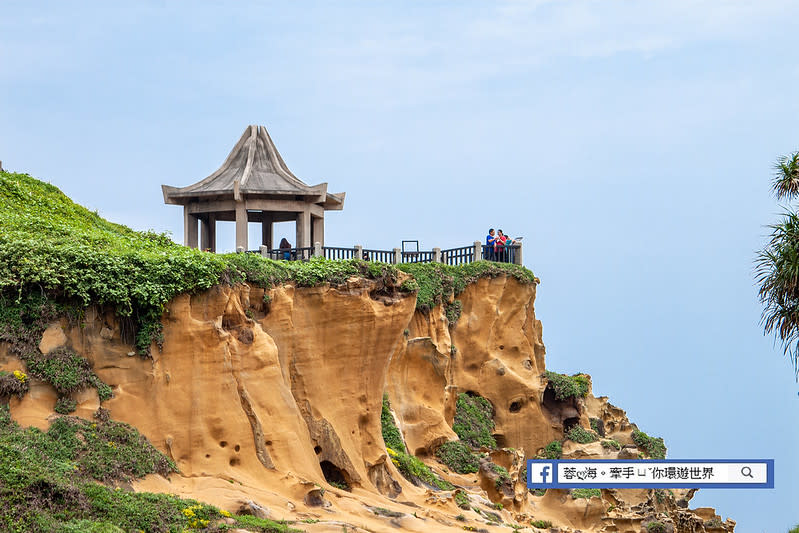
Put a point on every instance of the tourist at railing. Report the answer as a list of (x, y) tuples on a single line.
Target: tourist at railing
[(491, 245), (505, 249), (285, 247)]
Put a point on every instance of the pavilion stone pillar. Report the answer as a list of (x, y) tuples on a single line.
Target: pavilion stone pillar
[(318, 230), (189, 228), (304, 229), (267, 229), (208, 232), (241, 226)]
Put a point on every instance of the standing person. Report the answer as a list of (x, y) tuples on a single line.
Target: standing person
[(504, 243), (285, 248), (500, 247), (491, 244)]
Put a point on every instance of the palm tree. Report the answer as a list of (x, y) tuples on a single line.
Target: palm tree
[(777, 265)]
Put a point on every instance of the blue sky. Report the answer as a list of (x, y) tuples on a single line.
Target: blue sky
[(630, 143)]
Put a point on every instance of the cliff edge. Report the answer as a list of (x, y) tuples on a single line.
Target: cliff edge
[(328, 396)]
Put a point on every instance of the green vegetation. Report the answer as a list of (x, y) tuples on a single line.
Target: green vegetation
[(654, 447), (436, 281), (382, 511), (714, 522), (414, 470), (48, 481), (473, 421), (462, 500), (581, 435), (409, 466), (65, 405), (458, 457), (14, 383), (655, 527), (567, 386), (453, 311), (264, 525), (460, 518), (795, 529), (597, 426), (777, 264), (553, 450), (586, 493), (391, 434), (611, 444), (502, 475), (541, 524), (52, 246), (537, 492), (662, 495)]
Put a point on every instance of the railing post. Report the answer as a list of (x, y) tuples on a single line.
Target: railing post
[(358, 251), (397, 256), (317, 249), (517, 257), (478, 250), (436, 255), (264, 250)]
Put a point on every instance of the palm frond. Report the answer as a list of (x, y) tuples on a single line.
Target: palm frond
[(777, 274), (786, 177)]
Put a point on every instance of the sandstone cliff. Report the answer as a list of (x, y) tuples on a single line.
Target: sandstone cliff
[(270, 402)]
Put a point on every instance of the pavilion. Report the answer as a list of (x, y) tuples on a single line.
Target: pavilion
[(253, 185)]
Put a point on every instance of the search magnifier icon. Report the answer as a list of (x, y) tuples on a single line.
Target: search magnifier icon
[(747, 472)]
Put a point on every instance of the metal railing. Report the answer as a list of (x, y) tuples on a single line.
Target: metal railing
[(458, 256), (501, 254), (287, 254), (333, 252), (381, 256), (418, 257), (452, 256)]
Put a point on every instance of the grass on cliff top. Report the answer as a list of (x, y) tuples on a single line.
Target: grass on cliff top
[(51, 245), (437, 281)]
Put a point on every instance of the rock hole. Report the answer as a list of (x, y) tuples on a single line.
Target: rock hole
[(515, 407), (237, 448), (207, 455), (268, 443), (317, 450), (501, 346), (570, 423), (222, 444), (501, 442), (472, 393), (235, 461), (333, 474)]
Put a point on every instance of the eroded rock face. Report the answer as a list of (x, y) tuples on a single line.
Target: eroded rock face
[(261, 405)]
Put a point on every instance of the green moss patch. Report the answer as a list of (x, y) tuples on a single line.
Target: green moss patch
[(581, 435), (437, 281), (415, 471), (473, 422), (459, 457), (553, 450), (568, 386), (654, 447), (586, 493), (391, 433)]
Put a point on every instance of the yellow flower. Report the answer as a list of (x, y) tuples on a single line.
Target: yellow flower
[(224, 513), (21, 376)]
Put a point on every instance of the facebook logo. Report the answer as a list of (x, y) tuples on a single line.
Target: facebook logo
[(540, 474)]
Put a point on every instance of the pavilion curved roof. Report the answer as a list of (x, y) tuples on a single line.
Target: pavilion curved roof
[(254, 166)]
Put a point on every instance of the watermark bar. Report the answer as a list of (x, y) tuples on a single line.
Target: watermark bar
[(650, 473)]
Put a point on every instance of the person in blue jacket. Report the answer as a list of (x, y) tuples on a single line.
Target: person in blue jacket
[(491, 243)]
